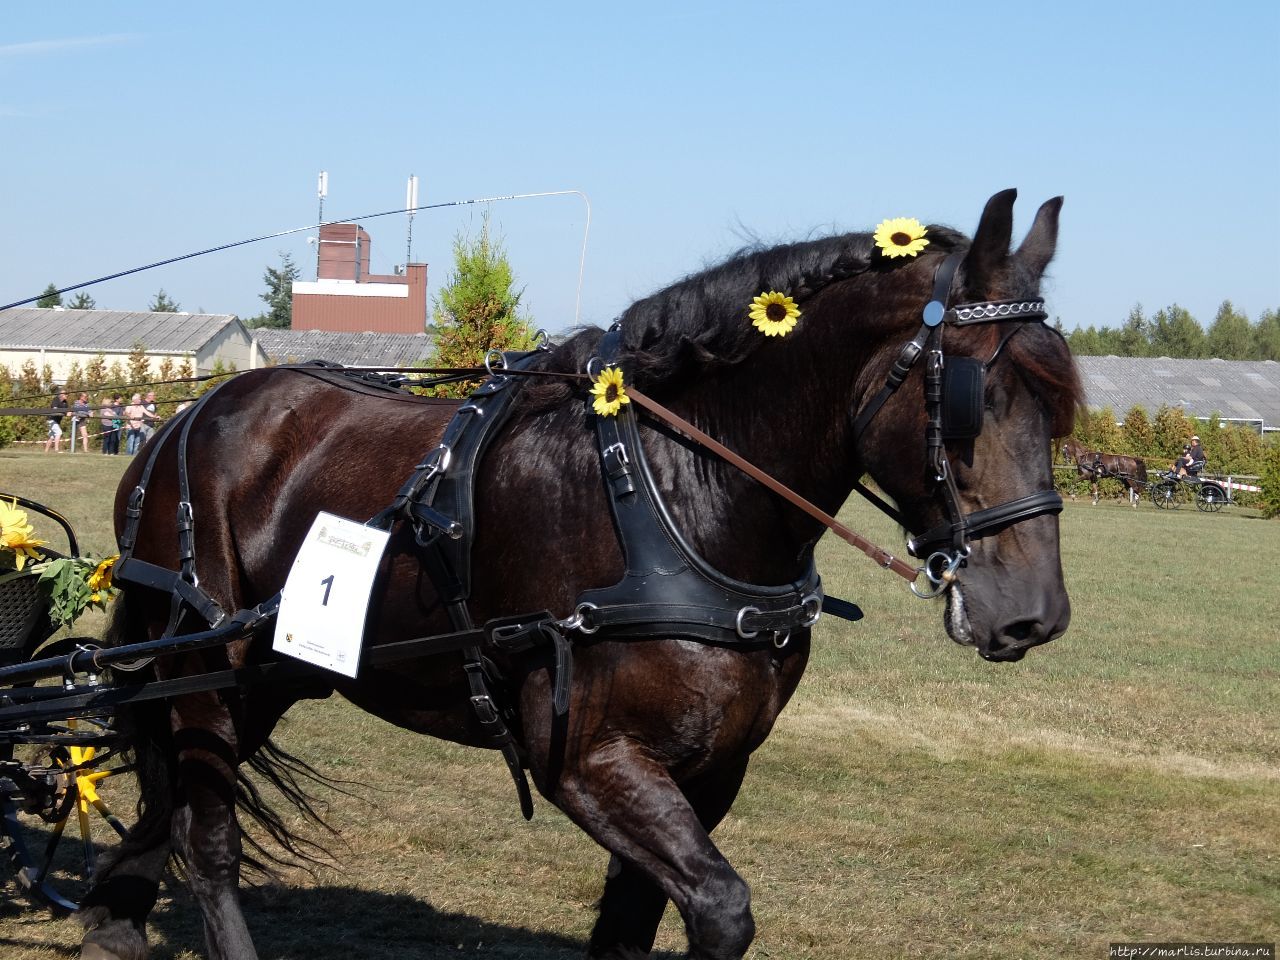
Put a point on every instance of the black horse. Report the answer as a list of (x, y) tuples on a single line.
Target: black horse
[(660, 724)]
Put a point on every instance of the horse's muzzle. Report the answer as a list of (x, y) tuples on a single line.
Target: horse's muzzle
[(1008, 640)]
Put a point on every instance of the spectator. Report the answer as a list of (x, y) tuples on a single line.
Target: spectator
[(150, 419), (108, 418), (59, 405), (79, 423), (135, 417)]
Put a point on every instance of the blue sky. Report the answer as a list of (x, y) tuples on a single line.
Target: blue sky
[(133, 132)]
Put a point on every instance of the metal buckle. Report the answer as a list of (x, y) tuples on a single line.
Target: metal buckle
[(811, 618), (621, 449), (578, 621), (443, 455), (738, 623), (492, 357)]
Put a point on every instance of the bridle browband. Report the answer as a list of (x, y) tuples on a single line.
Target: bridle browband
[(953, 398)]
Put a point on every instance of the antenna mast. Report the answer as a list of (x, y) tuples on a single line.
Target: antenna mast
[(410, 204), (322, 191)]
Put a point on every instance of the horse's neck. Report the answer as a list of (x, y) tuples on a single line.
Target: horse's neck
[(779, 423)]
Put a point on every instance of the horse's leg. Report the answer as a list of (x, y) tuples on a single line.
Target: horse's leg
[(114, 912), (630, 805), (205, 830), (1094, 486), (632, 904)]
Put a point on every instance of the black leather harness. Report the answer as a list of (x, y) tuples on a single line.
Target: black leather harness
[(668, 589), (953, 398)]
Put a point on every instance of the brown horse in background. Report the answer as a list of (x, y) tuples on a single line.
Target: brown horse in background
[(1095, 466)]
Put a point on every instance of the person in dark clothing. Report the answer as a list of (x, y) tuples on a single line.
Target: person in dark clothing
[(1192, 460), (60, 405)]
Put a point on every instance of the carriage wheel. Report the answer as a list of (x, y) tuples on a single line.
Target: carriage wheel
[(56, 823), (1210, 498), (1167, 494)]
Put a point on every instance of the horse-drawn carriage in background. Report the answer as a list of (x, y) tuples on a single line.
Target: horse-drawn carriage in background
[(1170, 490), (1167, 490)]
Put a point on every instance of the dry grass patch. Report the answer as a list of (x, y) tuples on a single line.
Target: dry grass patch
[(912, 802)]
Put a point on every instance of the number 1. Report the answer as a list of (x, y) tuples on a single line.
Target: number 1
[(328, 585)]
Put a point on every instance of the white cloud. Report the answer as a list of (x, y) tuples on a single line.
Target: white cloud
[(35, 48)]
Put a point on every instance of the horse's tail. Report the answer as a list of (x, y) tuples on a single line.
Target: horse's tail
[(149, 735)]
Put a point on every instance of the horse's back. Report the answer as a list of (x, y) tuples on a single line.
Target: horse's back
[(263, 455)]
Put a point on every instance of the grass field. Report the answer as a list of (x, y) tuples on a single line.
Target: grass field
[(1122, 783)]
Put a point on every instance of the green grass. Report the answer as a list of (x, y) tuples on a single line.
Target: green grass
[(1122, 783)]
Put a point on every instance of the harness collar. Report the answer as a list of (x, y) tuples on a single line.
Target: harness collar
[(667, 587)]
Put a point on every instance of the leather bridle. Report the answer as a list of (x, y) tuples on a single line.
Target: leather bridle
[(953, 399)]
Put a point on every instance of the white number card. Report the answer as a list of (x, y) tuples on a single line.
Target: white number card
[(326, 597)]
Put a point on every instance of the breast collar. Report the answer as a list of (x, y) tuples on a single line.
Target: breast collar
[(668, 588), (947, 545)]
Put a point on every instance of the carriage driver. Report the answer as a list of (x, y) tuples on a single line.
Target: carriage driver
[(1192, 460)]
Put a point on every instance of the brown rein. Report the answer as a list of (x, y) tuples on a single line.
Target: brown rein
[(881, 556)]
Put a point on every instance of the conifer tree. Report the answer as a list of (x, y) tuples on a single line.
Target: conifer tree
[(279, 295), (478, 310), (50, 297), (161, 303), (1138, 436)]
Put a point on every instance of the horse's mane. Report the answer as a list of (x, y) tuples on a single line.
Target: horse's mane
[(700, 322)]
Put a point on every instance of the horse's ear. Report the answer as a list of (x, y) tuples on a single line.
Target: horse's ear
[(991, 242), (1037, 249)]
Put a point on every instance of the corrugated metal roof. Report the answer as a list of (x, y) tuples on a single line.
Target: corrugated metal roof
[(353, 349), (108, 331), (1247, 389)]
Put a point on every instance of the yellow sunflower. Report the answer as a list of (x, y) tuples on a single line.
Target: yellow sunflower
[(774, 314), (609, 393), (15, 534), (100, 579), (901, 237)]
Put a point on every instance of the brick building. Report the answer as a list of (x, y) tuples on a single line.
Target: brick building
[(346, 297)]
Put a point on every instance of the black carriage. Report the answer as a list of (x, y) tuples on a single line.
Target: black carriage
[(1169, 491)]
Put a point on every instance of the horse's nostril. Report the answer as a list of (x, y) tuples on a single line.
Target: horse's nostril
[(1022, 630)]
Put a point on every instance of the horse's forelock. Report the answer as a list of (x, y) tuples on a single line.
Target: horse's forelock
[(1048, 369)]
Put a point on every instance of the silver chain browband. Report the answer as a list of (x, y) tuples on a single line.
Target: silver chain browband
[(995, 310)]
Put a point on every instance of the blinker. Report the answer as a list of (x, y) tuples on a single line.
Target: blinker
[(962, 398)]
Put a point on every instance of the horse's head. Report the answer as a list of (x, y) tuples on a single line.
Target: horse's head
[(962, 446)]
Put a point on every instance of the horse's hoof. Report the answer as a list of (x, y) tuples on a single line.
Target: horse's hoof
[(111, 939)]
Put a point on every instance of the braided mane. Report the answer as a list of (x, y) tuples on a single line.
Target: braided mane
[(700, 323)]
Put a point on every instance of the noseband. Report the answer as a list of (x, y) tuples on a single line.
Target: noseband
[(954, 402)]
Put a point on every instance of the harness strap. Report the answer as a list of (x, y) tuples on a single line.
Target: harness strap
[(183, 585), (983, 523), (882, 557)]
